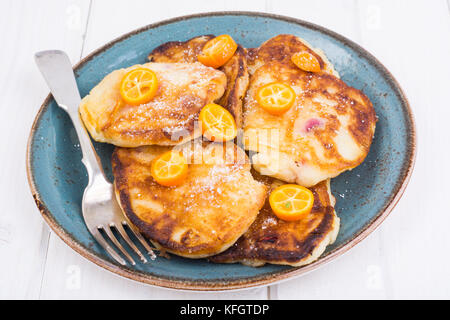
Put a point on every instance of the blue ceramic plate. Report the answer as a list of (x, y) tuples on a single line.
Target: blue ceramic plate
[(365, 195)]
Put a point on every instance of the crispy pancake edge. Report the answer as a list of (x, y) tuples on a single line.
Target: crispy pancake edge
[(309, 250), (237, 74)]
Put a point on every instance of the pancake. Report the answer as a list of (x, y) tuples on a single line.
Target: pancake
[(204, 215), (272, 240), (280, 48), (328, 130), (235, 69), (167, 119)]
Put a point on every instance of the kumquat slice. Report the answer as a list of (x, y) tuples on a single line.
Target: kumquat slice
[(217, 51), (170, 168), (291, 202), (138, 86), (276, 97), (306, 61), (217, 123)]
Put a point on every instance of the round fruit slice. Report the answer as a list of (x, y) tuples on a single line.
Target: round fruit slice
[(217, 51), (138, 86), (306, 61), (169, 169), (291, 202), (276, 97), (217, 123)]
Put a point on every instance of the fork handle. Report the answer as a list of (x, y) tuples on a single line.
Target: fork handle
[(57, 70)]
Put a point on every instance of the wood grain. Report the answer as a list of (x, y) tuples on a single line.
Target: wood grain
[(27, 27)]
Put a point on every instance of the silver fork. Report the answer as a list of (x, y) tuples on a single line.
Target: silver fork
[(100, 208)]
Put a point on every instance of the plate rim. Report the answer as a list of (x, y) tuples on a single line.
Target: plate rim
[(254, 281)]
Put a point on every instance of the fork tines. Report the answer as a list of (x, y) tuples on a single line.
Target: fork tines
[(119, 227)]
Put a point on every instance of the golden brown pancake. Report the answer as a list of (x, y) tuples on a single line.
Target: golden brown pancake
[(272, 240), (328, 130), (167, 119), (280, 48), (235, 69), (204, 215)]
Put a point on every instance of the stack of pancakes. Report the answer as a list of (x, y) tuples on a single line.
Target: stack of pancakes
[(221, 211)]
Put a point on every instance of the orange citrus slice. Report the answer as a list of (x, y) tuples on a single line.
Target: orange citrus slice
[(138, 86), (276, 97), (169, 169), (291, 202), (217, 51), (306, 61), (217, 123)]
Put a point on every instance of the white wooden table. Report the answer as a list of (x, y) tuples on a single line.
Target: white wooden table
[(407, 257)]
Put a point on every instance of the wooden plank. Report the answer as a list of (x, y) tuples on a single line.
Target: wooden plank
[(68, 275), (27, 29), (337, 15), (411, 39), (109, 20), (359, 274), (403, 259)]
